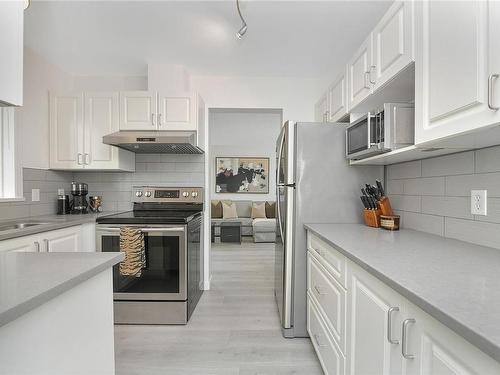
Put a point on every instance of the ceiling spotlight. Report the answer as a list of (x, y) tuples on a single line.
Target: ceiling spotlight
[(244, 27)]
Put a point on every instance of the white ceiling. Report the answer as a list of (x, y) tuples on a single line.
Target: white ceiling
[(284, 38)]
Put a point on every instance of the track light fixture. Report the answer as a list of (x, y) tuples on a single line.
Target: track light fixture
[(244, 27)]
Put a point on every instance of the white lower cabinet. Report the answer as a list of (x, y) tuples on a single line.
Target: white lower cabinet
[(439, 351), (71, 239), (384, 332), (63, 240), (331, 358), (374, 321)]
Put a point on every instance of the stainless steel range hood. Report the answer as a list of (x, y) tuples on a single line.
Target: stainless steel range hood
[(160, 142)]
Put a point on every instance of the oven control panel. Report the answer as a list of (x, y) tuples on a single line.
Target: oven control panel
[(167, 194)]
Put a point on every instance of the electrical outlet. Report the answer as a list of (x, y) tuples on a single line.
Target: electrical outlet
[(60, 191), (479, 202), (35, 195)]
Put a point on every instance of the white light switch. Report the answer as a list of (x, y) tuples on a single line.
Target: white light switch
[(35, 195), (479, 202)]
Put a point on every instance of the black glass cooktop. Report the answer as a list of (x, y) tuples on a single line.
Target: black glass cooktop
[(150, 217)]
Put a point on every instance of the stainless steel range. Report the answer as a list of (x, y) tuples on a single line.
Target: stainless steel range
[(168, 288)]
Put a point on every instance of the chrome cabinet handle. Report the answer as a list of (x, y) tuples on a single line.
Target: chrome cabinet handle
[(318, 341), (389, 325), (159, 119), (367, 86), (153, 119), (47, 245), (37, 246), (404, 346), (373, 67), (317, 288), (79, 158), (490, 92)]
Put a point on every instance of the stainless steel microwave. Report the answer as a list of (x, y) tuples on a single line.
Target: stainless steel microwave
[(383, 130)]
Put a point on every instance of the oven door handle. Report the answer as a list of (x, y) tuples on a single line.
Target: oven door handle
[(145, 230)]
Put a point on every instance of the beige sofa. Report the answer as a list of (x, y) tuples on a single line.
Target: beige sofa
[(261, 229)]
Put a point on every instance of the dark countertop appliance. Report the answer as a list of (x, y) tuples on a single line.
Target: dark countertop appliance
[(168, 288), (79, 204)]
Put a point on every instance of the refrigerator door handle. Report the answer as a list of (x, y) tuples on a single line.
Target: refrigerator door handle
[(278, 185)]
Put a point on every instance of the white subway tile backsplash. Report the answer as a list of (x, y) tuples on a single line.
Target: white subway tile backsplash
[(148, 158), (406, 202), (424, 186), (460, 186), (493, 212), (455, 164), (444, 187), (488, 160), (394, 186), (458, 207), (410, 169), (478, 232), (423, 222)]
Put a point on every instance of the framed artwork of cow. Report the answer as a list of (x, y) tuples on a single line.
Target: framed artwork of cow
[(241, 175)]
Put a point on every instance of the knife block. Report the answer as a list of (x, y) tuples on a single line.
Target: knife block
[(384, 206), (372, 217)]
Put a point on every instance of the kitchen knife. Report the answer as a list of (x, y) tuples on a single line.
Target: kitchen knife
[(365, 203), (380, 188)]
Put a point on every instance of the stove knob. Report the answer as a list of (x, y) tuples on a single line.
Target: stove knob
[(194, 194), (147, 194), (185, 194), (138, 194)]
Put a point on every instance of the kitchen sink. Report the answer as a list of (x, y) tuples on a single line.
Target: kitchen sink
[(13, 226)]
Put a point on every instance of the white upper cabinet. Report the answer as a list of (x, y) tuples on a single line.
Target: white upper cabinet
[(177, 112), (338, 107), (393, 43), (457, 56), (77, 124), (359, 73), (101, 118), (11, 50), (66, 131), (321, 109), (150, 110), (138, 110)]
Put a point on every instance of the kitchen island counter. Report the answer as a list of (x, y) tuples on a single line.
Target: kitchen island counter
[(57, 309), (455, 282)]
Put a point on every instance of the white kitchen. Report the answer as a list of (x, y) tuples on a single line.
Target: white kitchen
[(377, 127)]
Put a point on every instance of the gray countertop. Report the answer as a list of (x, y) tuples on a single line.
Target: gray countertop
[(51, 222), (456, 282), (28, 280)]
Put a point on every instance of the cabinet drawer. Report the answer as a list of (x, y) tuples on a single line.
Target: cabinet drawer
[(330, 258), (331, 358), (330, 298)]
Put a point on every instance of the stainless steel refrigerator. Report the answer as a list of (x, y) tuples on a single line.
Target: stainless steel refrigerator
[(315, 184)]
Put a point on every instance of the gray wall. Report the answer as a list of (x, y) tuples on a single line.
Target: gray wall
[(154, 169), (244, 132), (433, 195), (48, 182)]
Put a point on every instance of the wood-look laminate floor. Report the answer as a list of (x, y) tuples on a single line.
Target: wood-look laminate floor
[(234, 331)]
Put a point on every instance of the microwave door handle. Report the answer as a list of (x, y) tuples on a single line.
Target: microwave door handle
[(369, 126), (394, 126)]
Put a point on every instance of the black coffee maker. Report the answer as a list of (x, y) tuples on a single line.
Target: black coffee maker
[(79, 204)]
